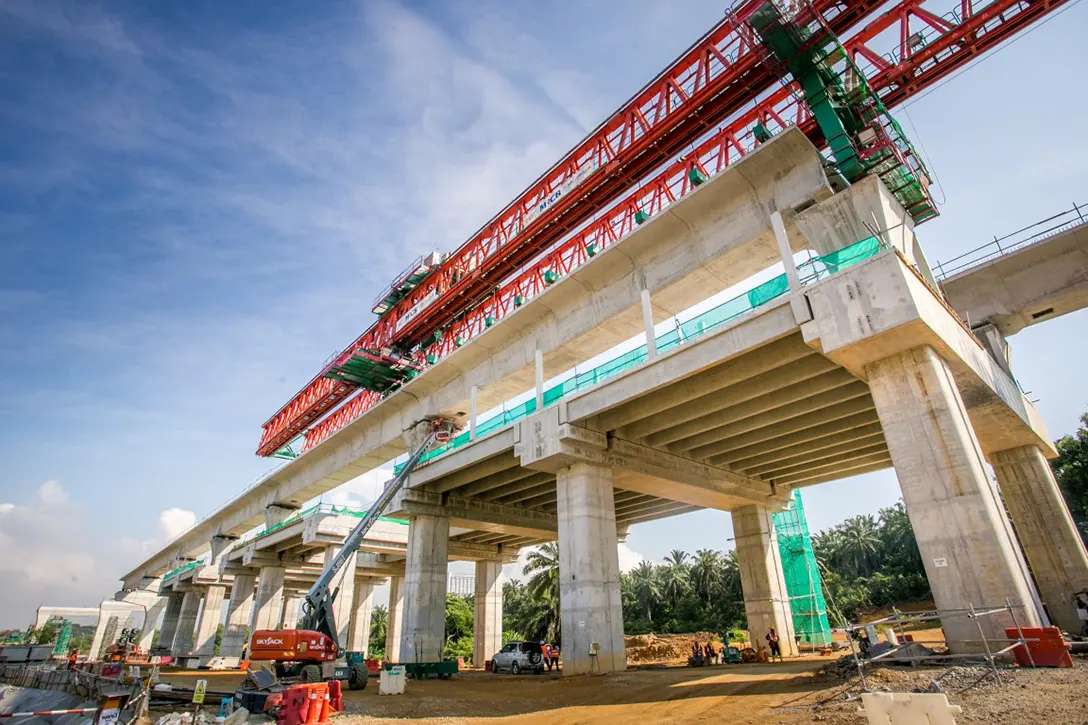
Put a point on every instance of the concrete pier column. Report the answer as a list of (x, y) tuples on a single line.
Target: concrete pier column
[(344, 604), (363, 601), (1046, 530), (425, 589), (589, 571), (395, 619), (239, 614), (291, 606), (210, 617), (762, 579), (487, 623), (169, 620), (969, 557), (183, 637), (267, 607), (155, 610)]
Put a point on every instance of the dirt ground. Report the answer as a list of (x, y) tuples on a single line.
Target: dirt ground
[(768, 694)]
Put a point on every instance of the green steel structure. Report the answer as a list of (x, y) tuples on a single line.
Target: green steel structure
[(863, 137), (803, 582)]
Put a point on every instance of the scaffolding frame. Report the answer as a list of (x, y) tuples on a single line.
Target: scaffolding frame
[(804, 585), (990, 655)]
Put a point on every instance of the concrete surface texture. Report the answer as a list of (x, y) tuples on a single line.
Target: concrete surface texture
[(589, 572), (1046, 530), (210, 616), (170, 618), (186, 627), (1035, 283), (362, 606), (268, 604), (487, 619), (425, 576), (763, 581), (957, 519), (239, 616), (395, 620)]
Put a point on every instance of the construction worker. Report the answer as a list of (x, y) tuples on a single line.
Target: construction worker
[(73, 658), (772, 642), (554, 650)]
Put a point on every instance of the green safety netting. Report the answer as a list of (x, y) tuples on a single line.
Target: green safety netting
[(803, 583), (184, 567), (814, 269)]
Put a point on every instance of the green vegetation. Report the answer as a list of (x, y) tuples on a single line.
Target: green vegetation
[(870, 561), (1071, 470)]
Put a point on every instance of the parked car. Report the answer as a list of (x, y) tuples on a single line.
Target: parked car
[(519, 656)]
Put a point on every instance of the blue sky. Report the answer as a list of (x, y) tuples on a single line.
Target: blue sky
[(198, 201)]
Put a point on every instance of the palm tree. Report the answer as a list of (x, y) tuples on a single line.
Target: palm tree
[(542, 566), (646, 591), (674, 576), (379, 624), (898, 538), (677, 558), (706, 573), (861, 543)]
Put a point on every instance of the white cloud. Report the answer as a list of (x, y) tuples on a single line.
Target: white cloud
[(629, 558), (53, 551), (175, 521), (51, 492)]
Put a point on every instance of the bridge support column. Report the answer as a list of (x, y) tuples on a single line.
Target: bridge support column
[(762, 579), (289, 619), (344, 606), (169, 621), (395, 619), (1046, 530), (487, 626), (156, 607), (589, 571), (363, 600), (962, 532), (210, 614), (183, 637), (239, 614), (425, 589), (269, 601)]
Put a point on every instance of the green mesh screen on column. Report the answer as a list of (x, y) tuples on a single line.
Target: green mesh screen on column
[(803, 583)]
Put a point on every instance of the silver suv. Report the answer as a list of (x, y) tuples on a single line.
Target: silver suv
[(518, 657)]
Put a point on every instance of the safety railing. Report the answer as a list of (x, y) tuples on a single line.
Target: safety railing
[(323, 508), (816, 268), (1019, 239)]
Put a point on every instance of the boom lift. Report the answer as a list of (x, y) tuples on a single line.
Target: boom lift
[(313, 653)]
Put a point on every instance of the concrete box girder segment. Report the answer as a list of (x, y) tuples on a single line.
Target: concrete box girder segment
[(476, 514), (1039, 282), (715, 237)]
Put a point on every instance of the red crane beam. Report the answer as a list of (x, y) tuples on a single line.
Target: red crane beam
[(949, 45)]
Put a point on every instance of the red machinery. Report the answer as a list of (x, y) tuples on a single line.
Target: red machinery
[(713, 105)]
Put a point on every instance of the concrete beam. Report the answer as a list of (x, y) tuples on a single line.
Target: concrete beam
[(829, 406), (748, 459), (746, 365), (475, 514), (829, 421), (767, 383), (702, 429), (838, 454)]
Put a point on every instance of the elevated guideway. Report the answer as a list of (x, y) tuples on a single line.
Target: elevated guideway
[(717, 236)]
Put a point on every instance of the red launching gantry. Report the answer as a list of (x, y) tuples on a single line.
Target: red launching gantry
[(727, 93)]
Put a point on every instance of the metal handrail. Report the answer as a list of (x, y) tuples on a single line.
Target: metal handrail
[(1001, 246)]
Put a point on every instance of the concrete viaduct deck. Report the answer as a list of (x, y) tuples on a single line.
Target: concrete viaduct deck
[(852, 368)]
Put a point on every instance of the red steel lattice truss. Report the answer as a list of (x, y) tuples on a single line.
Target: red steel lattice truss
[(719, 76)]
